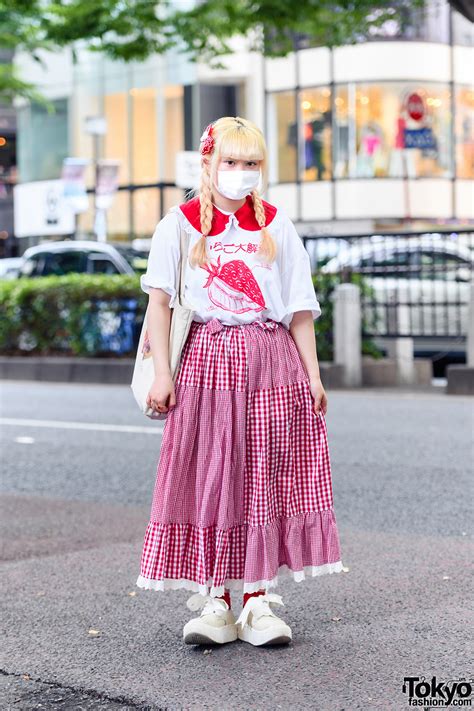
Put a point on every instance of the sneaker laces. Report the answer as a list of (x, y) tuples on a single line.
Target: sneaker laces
[(259, 605), (207, 604)]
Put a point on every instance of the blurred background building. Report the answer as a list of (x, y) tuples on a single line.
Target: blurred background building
[(376, 135), (8, 163), (377, 132)]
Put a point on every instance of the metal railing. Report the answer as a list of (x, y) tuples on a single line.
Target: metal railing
[(412, 283)]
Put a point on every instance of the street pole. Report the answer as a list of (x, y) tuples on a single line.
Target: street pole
[(96, 126)]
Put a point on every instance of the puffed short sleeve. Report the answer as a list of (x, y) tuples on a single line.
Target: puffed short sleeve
[(163, 259), (298, 292)]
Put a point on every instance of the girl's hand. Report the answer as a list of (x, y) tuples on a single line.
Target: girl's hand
[(162, 396), (319, 396)]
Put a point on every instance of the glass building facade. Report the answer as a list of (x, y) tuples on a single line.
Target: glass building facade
[(152, 112), (344, 127), (359, 130), (394, 106)]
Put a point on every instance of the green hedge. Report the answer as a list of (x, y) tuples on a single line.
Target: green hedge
[(55, 315), (49, 315)]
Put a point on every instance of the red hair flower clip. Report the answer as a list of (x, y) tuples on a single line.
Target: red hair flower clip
[(207, 140)]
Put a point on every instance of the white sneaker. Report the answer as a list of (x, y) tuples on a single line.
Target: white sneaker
[(259, 625), (215, 625)]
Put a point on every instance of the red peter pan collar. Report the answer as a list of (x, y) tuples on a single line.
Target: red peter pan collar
[(245, 215)]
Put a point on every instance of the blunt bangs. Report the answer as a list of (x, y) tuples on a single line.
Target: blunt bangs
[(241, 145)]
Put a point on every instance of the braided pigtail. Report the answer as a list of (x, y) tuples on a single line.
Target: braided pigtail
[(268, 248), (198, 254), (240, 138)]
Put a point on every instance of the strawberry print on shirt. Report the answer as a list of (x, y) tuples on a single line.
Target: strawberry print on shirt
[(233, 287), (236, 285)]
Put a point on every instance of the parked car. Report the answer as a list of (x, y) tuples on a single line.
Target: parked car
[(421, 287), (81, 256), (407, 256), (10, 267)]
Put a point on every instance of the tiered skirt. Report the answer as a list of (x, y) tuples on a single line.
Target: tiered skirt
[(243, 490)]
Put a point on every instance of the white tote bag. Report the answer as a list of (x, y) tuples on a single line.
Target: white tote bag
[(181, 319)]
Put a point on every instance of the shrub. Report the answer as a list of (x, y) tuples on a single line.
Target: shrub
[(101, 315), (76, 314)]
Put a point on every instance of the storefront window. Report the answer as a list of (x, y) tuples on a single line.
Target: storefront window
[(429, 23), (118, 217), (282, 137), (170, 196), (392, 130), (42, 141), (116, 140), (145, 211), (173, 139), (145, 157), (86, 102), (315, 157), (464, 131), (463, 30)]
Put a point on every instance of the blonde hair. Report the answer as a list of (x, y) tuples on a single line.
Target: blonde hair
[(242, 140)]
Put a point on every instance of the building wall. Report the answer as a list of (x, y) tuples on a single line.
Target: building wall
[(332, 122), (153, 109), (338, 125)]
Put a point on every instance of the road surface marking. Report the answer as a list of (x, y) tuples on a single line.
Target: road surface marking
[(96, 426)]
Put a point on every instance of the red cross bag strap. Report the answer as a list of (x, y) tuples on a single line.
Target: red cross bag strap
[(181, 318)]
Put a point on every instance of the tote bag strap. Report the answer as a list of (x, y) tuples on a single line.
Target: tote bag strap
[(183, 257)]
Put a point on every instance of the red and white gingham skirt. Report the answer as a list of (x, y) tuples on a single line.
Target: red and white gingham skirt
[(243, 487)]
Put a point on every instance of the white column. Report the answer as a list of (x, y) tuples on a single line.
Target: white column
[(401, 349), (347, 332)]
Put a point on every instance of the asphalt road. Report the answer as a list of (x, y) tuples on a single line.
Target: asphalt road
[(78, 468)]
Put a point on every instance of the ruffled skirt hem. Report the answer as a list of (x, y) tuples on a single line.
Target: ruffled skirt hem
[(308, 571)]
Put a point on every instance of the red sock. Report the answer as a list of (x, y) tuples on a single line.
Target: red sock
[(247, 595), (226, 597)]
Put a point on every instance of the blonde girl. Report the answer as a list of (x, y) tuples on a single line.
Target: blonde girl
[(243, 493)]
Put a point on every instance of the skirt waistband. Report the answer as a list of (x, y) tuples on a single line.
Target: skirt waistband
[(214, 325)]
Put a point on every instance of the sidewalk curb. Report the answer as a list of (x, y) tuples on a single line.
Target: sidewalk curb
[(67, 370), (116, 371), (119, 371), (460, 379)]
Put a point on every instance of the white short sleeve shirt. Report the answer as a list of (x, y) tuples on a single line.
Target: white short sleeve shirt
[(236, 286)]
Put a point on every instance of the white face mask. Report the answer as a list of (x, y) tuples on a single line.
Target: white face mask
[(237, 184)]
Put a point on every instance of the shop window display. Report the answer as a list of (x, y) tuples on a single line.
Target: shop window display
[(392, 130), (464, 132), (315, 156), (314, 161), (282, 137)]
